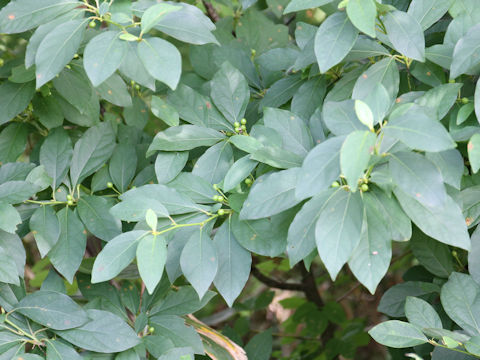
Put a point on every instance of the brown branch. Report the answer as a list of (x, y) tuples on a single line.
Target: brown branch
[(211, 12), (274, 283)]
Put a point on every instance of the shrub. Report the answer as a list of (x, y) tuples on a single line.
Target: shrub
[(151, 149)]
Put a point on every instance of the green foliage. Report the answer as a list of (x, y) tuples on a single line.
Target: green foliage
[(151, 151)]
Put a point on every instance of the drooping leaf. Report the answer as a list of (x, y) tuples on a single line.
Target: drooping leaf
[(340, 117), (67, 253), (465, 54), (428, 12), (45, 227), (233, 263), (338, 229), (56, 154), (214, 164), (10, 218), (199, 261), (122, 166), (362, 14), (421, 313), (14, 98), (151, 258), (154, 13), (406, 34), (433, 255), (473, 148), (238, 172), (169, 164)]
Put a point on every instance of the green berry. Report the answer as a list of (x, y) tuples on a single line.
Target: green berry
[(248, 181), (109, 185), (137, 87), (69, 202), (221, 212), (364, 187), (244, 121), (151, 329), (243, 127), (69, 197), (2, 62), (451, 81), (237, 129), (465, 100), (92, 24), (335, 184), (454, 253), (217, 198), (236, 124)]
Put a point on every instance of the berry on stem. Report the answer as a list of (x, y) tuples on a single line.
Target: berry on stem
[(244, 121), (465, 100), (221, 212), (335, 184), (109, 184), (70, 202), (236, 124), (364, 187), (92, 24), (248, 181)]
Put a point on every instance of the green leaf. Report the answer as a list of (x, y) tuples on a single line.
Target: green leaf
[(10, 218), (238, 172), (474, 152), (305, 101), (116, 255), (301, 232), (151, 219), (397, 334), (189, 25), (14, 98), (56, 154), (461, 302), (320, 168), (13, 246), (271, 194), (338, 229), (432, 255), (230, 92), (414, 127), (151, 258), (15, 192), (473, 345), (450, 164), (355, 155), (122, 166), (57, 49), (293, 130), (115, 90), (473, 263), (169, 164), (135, 209), (364, 114), (260, 346), (162, 60), (214, 164), (476, 99), (277, 157), (94, 212), (97, 335), (57, 350), (132, 67), (154, 13), (464, 113), (48, 111), (281, 91), (163, 110), (178, 332), (90, 152), (267, 237), (362, 14), (440, 98), (406, 34), (184, 137), (52, 309), (196, 188), (103, 56), (246, 143), (233, 263), (340, 117), (465, 54), (199, 261), (444, 223), (45, 226), (20, 16), (371, 258), (38, 176), (333, 41), (182, 302), (174, 201), (384, 72), (420, 313), (67, 253), (297, 5), (418, 177), (8, 268), (428, 12)]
